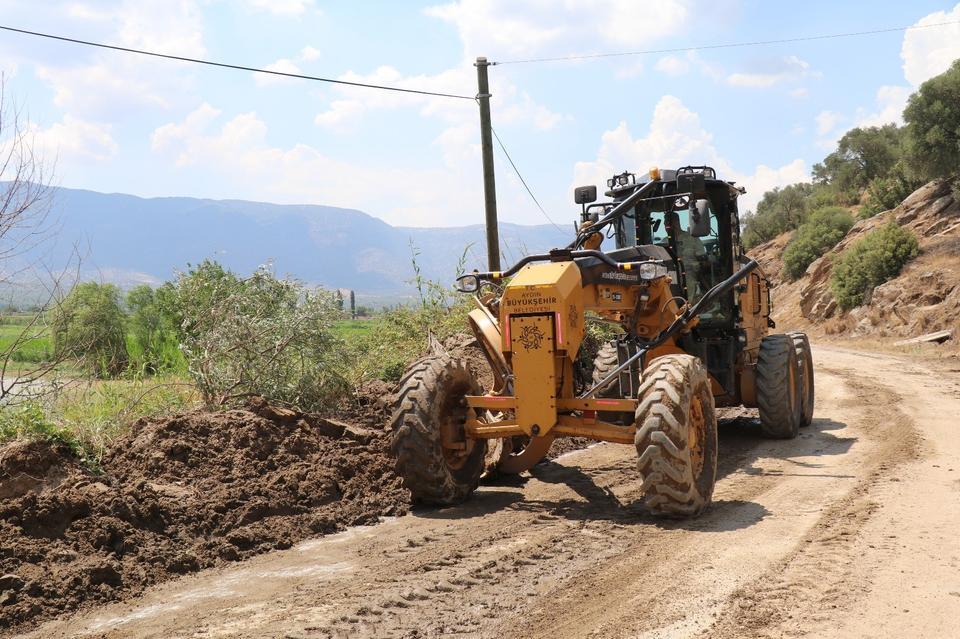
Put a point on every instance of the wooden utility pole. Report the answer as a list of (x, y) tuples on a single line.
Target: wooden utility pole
[(486, 150)]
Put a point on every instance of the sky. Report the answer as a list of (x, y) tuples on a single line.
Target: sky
[(763, 115)]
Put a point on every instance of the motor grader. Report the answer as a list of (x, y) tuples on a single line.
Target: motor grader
[(693, 315)]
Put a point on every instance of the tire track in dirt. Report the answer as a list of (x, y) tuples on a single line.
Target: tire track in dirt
[(820, 578)]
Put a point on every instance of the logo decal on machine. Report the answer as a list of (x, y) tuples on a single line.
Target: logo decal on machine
[(531, 337)]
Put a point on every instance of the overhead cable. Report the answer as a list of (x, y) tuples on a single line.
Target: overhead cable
[(237, 67), (522, 181), (727, 45)]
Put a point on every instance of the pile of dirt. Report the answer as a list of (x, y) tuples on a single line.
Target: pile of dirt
[(189, 492), (179, 495), (925, 297)]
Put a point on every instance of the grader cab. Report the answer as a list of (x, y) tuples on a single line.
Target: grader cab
[(693, 314)]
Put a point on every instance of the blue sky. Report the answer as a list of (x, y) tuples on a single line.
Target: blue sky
[(115, 122)]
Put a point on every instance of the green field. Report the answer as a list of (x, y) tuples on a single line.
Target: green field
[(38, 349), (352, 328)]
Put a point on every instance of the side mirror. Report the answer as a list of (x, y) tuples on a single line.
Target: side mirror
[(468, 283), (585, 194), (700, 218)]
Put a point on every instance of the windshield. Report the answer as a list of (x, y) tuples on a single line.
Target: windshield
[(699, 257)]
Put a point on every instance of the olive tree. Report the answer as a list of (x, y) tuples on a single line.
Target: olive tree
[(933, 126), (88, 326), (260, 336)]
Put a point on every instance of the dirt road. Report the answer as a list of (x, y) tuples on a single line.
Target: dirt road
[(852, 530)]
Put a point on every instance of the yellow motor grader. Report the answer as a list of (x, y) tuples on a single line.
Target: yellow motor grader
[(693, 314)]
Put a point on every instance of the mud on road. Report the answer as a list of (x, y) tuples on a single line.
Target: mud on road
[(848, 531)]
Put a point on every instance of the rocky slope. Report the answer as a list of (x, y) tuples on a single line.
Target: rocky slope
[(925, 297)]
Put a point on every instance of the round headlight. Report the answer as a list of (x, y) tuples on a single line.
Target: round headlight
[(652, 270)]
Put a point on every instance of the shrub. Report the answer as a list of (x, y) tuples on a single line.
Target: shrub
[(400, 335), (889, 191), (870, 262), (259, 336), (29, 421), (820, 233), (88, 326)]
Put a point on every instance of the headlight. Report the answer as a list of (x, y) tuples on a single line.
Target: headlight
[(651, 270)]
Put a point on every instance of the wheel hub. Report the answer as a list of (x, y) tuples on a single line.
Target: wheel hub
[(456, 446)]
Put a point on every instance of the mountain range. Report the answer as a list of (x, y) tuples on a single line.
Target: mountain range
[(127, 239)]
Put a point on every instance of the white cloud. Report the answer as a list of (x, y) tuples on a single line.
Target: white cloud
[(72, 139), (505, 28), (773, 72), (827, 131), (826, 121), (676, 137), (513, 106), (238, 149), (285, 65), (309, 54), (281, 7), (890, 103), (799, 92), (282, 66), (929, 51), (672, 65), (926, 52), (109, 86)]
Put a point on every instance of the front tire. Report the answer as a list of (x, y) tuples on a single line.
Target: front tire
[(436, 461), (779, 387), (676, 436)]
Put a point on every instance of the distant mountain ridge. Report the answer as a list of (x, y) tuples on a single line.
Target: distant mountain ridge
[(129, 239)]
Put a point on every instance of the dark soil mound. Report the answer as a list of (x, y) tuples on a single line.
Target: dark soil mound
[(176, 496)]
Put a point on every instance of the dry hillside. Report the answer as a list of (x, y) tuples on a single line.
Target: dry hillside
[(925, 297)]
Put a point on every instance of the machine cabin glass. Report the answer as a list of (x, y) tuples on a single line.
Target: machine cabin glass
[(703, 261)]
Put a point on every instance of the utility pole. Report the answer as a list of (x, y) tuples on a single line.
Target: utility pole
[(486, 150)]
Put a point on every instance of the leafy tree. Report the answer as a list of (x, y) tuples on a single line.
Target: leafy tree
[(871, 261), (820, 233), (153, 329), (88, 326), (933, 125), (862, 155)]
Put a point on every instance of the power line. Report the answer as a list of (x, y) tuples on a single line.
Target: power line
[(728, 45), (237, 67), (522, 181)]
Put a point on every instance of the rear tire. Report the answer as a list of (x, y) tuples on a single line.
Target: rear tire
[(432, 397), (779, 387), (606, 362), (801, 346), (676, 436)]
